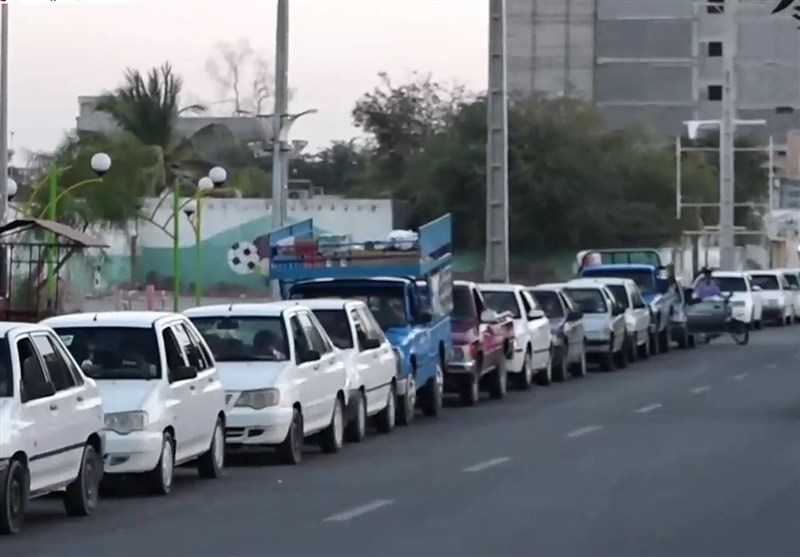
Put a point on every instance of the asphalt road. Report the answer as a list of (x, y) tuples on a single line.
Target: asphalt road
[(687, 454)]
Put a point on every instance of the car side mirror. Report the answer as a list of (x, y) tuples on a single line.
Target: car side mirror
[(535, 314), (39, 389), (423, 318), (310, 356), (369, 343), (183, 373), (574, 315), (489, 316)]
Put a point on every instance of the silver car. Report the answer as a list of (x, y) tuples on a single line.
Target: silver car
[(566, 327), (603, 321)]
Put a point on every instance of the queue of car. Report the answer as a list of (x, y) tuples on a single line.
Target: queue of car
[(90, 396)]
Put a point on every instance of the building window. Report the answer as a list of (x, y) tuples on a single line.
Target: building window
[(715, 92), (715, 6), (715, 49)]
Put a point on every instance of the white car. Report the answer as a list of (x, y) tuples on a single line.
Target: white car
[(51, 425), (163, 400), (792, 276), (533, 355), (603, 321), (777, 295), (284, 379), (745, 300), (637, 316), (372, 365)]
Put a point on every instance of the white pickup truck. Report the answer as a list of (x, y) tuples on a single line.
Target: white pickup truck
[(532, 355)]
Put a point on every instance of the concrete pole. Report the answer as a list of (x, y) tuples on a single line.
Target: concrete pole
[(280, 113), (727, 133), (497, 251), (3, 116)]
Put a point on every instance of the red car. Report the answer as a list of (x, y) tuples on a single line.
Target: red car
[(482, 341)]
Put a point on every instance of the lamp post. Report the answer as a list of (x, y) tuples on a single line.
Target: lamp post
[(11, 191)]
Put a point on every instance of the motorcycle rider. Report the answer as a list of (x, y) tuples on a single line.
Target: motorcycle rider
[(707, 287)]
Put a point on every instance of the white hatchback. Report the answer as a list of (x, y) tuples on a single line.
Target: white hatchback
[(284, 379), (51, 425), (777, 296), (163, 400)]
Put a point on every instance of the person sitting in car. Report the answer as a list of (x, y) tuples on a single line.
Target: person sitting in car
[(707, 287)]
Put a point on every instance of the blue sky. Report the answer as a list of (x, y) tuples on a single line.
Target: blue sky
[(60, 50)]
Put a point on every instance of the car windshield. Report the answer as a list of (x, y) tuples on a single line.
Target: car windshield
[(643, 279), (589, 300), (502, 301), (463, 309), (792, 279), (766, 282), (549, 302), (387, 303), (336, 324), (244, 339), (6, 373), (730, 284), (114, 353), (620, 294)]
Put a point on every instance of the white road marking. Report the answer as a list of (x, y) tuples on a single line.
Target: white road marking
[(486, 464), (648, 408), (358, 511), (698, 390), (584, 431), (740, 376)]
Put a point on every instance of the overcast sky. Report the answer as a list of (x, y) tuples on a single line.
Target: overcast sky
[(60, 50)]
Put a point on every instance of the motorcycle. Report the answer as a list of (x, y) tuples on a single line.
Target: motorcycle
[(713, 317)]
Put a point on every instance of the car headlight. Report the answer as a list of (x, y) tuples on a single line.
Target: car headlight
[(260, 399), (124, 423)]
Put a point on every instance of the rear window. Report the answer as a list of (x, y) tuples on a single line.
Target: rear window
[(549, 302), (620, 294), (6, 375), (731, 284), (792, 279), (766, 282), (589, 300), (502, 301), (336, 324), (643, 279), (114, 352), (244, 338)]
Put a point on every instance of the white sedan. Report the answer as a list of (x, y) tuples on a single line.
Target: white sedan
[(372, 365), (284, 379), (163, 400)]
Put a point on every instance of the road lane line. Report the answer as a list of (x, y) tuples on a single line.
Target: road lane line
[(698, 390), (486, 464), (583, 431), (648, 408), (360, 510), (740, 376)]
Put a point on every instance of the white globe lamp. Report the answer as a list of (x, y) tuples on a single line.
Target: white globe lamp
[(101, 163), (11, 188), (218, 175), (190, 208), (205, 184)]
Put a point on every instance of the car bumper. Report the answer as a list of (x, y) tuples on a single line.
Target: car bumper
[(134, 453), (773, 312), (597, 346), (248, 427)]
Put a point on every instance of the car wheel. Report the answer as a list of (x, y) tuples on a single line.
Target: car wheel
[(83, 494), (578, 369), (211, 463), (385, 420), (408, 402), (470, 391), (498, 380), (663, 341), (654, 345), (620, 356), (357, 428), (525, 376), (291, 450), (161, 477), (644, 349), (544, 377), (13, 498), (607, 359), (433, 392), (332, 437)]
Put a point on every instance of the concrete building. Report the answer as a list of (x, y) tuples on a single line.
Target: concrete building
[(657, 61)]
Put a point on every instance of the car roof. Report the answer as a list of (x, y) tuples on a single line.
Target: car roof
[(548, 286), (330, 303), (616, 281), (263, 309), (324, 280), (7, 327), (138, 319), (585, 283), (729, 274), (499, 287), (771, 272), (620, 266)]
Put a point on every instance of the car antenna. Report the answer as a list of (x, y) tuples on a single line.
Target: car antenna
[(95, 317), (230, 307)]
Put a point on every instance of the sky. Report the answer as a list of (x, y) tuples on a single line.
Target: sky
[(59, 50)]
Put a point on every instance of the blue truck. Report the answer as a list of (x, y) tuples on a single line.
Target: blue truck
[(659, 287), (383, 274)]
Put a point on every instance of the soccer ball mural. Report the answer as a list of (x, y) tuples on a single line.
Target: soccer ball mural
[(248, 258)]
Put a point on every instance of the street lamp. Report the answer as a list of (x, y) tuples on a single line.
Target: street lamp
[(11, 188)]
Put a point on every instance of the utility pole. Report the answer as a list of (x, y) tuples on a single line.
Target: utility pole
[(727, 231), (279, 118), (497, 253)]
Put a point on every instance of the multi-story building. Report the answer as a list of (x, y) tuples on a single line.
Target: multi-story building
[(658, 61)]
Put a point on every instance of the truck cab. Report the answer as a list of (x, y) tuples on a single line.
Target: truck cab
[(384, 274)]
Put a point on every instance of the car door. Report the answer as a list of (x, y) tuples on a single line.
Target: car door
[(40, 418), (382, 367), (209, 394), (788, 293), (617, 321), (181, 393), (641, 314), (539, 331), (329, 372), (574, 330), (68, 406), (307, 380)]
